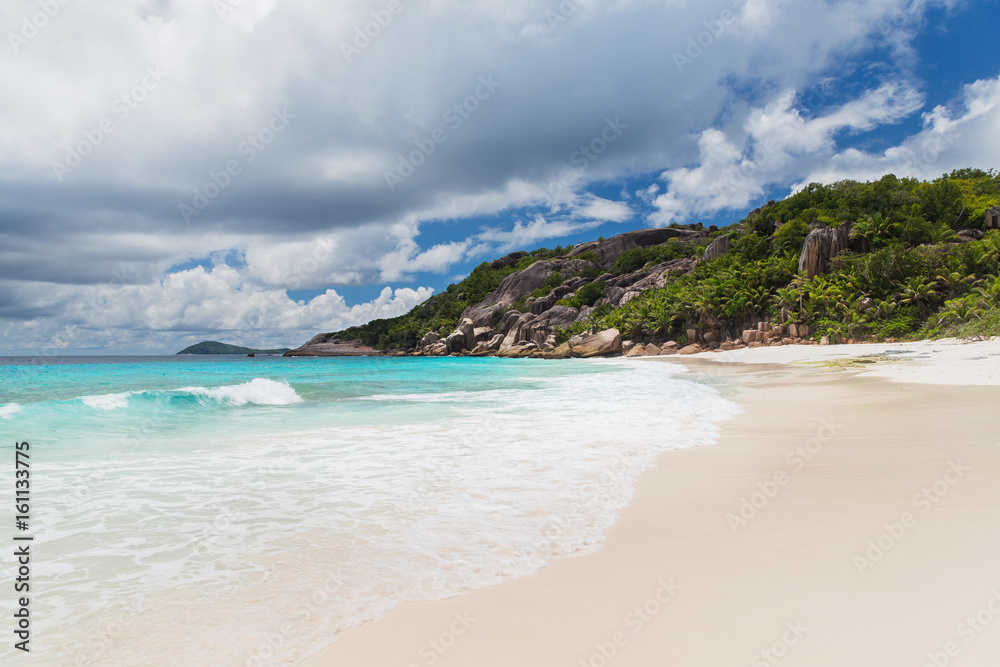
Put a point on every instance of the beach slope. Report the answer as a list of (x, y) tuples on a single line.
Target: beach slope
[(840, 520)]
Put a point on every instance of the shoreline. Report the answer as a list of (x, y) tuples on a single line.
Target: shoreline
[(690, 574)]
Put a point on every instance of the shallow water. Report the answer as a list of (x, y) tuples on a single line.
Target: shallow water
[(241, 511)]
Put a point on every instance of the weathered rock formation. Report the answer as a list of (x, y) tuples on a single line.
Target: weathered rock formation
[(636, 351), (822, 244), (326, 345), (601, 344), (429, 339), (624, 288), (519, 285), (992, 218), (519, 329), (719, 247), (609, 250), (493, 327), (508, 260)]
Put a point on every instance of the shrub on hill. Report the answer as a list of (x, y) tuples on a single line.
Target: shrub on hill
[(906, 275)]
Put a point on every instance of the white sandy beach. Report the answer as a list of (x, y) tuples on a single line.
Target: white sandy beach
[(850, 516), (947, 362)]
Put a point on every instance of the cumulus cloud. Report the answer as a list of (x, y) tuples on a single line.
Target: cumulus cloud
[(185, 305), (965, 135), (531, 233), (280, 153), (774, 144)]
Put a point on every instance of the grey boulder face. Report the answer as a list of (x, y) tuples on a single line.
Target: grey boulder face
[(718, 248), (464, 338), (436, 349), (429, 339), (637, 351), (328, 345), (820, 246), (521, 328), (455, 342), (520, 285), (992, 220), (468, 331), (602, 344), (609, 250)]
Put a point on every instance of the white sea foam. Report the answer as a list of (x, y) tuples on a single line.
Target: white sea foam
[(107, 401), (9, 410), (259, 391), (321, 527)]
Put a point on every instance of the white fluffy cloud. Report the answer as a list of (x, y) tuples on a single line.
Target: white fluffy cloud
[(183, 307), (966, 135), (771, 146), (285, 133)]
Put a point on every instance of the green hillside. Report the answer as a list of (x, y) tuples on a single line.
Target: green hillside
[(919, 263)]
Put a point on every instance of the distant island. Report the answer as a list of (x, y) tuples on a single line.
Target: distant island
[(215, 347)]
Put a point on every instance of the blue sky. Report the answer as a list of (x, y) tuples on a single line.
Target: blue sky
[(172, 173)]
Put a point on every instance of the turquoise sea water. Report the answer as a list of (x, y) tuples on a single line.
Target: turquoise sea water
[(220, 510)]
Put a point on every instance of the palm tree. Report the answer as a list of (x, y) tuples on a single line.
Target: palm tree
[(854, 321), (875, 230), (786, 297), (960, 310), (942, 232), (664, 318), (990, 294), (918, 291), (956, 282), (881, 310)]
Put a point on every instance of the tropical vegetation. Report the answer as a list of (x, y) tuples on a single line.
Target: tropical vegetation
[(919, 265)]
